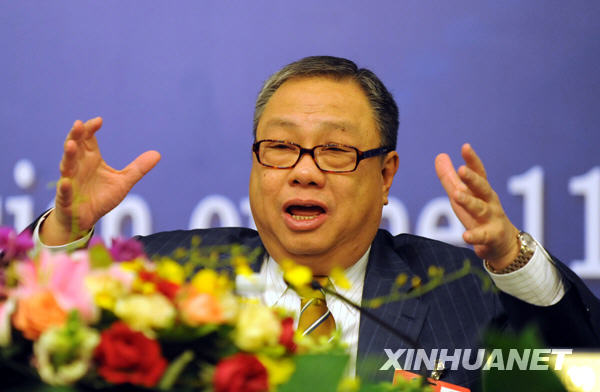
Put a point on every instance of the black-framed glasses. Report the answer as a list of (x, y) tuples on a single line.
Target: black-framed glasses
[(330, 158)]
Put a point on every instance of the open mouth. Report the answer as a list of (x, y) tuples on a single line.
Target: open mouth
[(304, 212)]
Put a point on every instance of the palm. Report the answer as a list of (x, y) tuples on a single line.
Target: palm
[(477, 206), (89, 188)]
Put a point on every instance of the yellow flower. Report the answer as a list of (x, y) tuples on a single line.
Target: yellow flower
[(415, 281), (349, 385), (180, 253), (211, 282), (401, 279), (243, 270), (106, 286), (133, 265), (105, 300), (279, 371), (170, 270), (105, 290), (434, 271), (338, 276), (376, 302), (144, 287), (295, 274)]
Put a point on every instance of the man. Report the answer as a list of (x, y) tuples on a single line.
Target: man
[(323, 164)]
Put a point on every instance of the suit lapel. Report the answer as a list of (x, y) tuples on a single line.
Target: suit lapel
[(408, 316)]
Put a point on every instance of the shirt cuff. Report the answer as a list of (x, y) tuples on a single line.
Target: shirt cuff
[(39, 245), (538, 282)]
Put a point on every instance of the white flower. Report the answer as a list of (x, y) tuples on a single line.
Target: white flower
[(249, 286), (257, 327), (145, 313), (230, 306), (74, 344), (6, 310)]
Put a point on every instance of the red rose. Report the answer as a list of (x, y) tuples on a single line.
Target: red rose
[(127, 356), (240, 373), (286, 338), (166, 288)]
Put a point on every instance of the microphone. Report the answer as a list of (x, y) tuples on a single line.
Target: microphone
[(364, 311), (315, 285)]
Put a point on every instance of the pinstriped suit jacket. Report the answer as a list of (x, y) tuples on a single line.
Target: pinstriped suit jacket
[(451, 316)]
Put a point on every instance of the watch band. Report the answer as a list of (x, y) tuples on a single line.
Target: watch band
[(526, 251)]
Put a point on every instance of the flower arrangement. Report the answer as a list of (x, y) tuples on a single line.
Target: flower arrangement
[(110, 318)]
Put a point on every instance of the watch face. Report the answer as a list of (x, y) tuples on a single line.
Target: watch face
[(527, 240)]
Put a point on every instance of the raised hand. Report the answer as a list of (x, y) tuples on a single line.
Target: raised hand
[(88, 188), (478, 207)]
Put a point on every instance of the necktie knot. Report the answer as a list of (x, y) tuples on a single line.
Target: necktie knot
[(317, 294), (315, 318)]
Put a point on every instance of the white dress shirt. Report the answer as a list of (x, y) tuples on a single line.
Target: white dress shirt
[(277, 293)]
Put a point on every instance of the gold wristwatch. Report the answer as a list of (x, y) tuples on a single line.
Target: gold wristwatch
[(526, 251)]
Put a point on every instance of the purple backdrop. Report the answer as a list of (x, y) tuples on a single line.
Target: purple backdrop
[(519, 80)]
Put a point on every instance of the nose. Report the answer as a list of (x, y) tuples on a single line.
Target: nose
[(306, 173)]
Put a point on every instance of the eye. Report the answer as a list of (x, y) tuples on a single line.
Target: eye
[(336, 149), (280, 146)]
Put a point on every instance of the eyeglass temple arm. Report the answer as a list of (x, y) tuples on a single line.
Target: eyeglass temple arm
[(374, 152)]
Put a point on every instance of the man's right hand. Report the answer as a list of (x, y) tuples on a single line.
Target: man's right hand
[(88, 188)]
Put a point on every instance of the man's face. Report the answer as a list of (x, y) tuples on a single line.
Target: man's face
[(315, 218)]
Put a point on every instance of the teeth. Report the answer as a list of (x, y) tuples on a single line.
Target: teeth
[(301, 217)]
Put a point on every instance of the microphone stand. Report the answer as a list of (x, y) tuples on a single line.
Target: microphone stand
[(315, 285)]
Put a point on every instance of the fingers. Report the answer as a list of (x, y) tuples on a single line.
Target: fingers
[(477, 208), (92, 126), (64, 193), (472, 176), (478, 236), (76, 132), (82, 131), (140, 166), (477, 184), (75, 141), (68, 163), (472, 160), (447, 174)]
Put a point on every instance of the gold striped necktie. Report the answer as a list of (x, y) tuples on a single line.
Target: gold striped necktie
[(315, 318)]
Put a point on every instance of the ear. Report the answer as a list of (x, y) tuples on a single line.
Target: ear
[(388, 171)]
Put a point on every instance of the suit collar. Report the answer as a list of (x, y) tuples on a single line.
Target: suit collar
[(408, 316)]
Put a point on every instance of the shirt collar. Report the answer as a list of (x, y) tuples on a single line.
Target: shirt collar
[(272, 276)]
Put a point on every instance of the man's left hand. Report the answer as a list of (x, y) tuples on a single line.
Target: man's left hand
[(478, 207)]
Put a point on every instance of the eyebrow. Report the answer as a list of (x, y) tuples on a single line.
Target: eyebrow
[(325, 125)]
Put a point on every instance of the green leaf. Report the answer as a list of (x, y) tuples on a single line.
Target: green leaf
[(175, 369), (316, 373), (100, 257), (495, 380), (184, 333)]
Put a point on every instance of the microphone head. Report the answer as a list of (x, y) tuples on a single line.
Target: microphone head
[(315, 285)]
